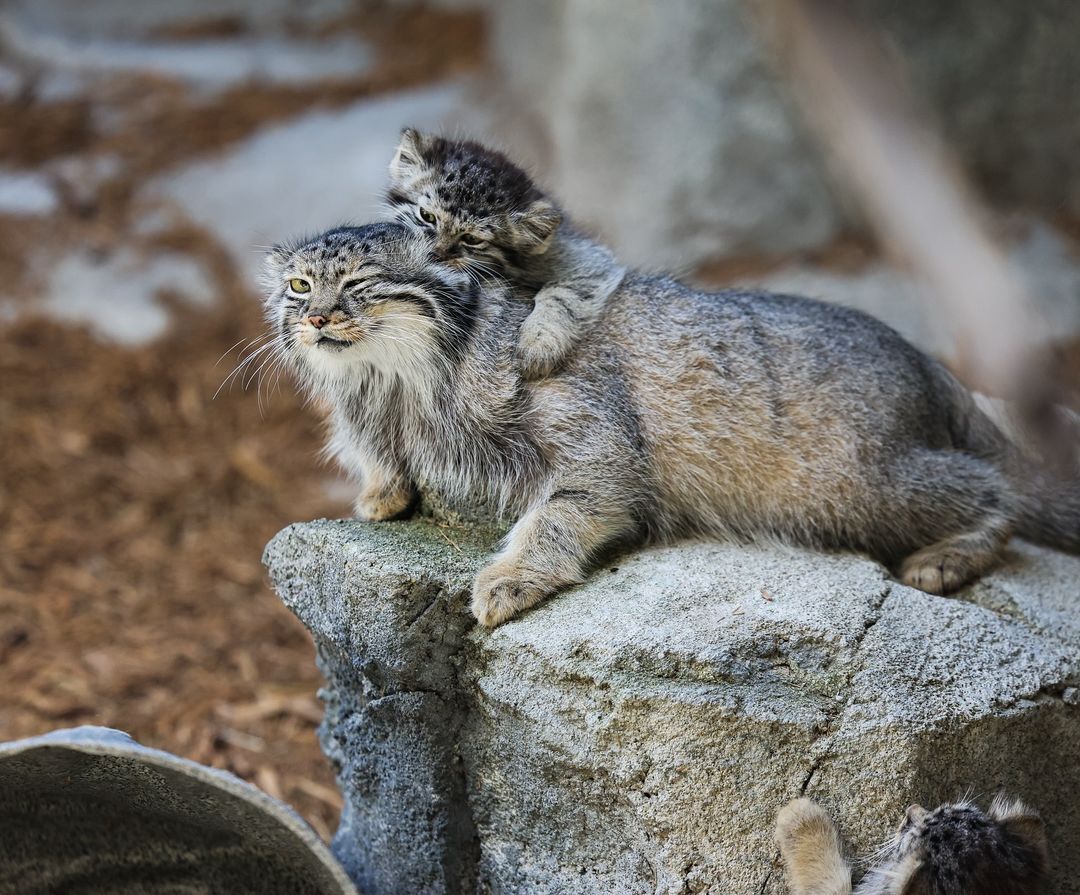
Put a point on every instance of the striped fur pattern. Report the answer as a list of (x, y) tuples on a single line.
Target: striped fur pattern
[(733, 414), (484, 216), (956, 849)]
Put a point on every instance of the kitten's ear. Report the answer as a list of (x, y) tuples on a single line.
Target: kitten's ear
[(534, 227), (1021, 821), (409, 156)]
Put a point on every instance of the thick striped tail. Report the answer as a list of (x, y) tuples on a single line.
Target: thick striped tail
[(1049, 506)]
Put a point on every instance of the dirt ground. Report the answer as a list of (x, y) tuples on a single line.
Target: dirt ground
[(134, 505)]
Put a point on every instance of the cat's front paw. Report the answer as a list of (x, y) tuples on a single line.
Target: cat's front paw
[(501, 591), (541, 348), (379, 504), (939, 570)]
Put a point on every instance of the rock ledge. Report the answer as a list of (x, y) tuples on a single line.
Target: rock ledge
[(638, 734)]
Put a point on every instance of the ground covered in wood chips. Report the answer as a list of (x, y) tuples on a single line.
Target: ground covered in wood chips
[(133, 514), (134, 505)]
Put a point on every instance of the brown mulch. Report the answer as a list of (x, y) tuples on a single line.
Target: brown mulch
[(133, 511)]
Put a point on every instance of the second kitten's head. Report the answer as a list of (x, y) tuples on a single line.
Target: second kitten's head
[(482, 213), (957, 849)]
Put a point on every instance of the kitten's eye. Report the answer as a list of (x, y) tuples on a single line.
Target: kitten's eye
[(299, 286), (468, 239), (426, 216)]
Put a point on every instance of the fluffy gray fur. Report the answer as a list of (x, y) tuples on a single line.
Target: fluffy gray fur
[(485, 216), (733, 414), (956, 849)]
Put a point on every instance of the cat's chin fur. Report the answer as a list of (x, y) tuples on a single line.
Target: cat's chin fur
[(374, 363)]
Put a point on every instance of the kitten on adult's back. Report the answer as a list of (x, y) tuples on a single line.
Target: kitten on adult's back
[(485, 216)]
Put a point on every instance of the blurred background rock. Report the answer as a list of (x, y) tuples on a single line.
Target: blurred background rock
[(150, 150)]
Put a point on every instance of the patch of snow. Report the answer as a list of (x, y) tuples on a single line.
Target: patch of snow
[(11, 82), (210, 65), (127, 18), (26, 193), (59, 85), (84, 176), (117, 294), (305, 176)]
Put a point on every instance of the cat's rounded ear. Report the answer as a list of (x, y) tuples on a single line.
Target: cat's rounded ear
[(274, 263), (276, 258), (534, 227), (409, 155), (1022, 822)]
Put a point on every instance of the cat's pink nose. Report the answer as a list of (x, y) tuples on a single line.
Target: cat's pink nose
[(317, 320)]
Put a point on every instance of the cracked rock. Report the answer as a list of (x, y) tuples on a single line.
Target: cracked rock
[(638, 733)]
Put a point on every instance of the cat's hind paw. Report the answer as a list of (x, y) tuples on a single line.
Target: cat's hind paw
[(380, 504)]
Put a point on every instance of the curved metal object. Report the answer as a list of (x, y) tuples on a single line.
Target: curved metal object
[(90, 810)]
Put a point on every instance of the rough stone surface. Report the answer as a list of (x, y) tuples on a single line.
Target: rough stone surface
[(638, 734), (661, 124)]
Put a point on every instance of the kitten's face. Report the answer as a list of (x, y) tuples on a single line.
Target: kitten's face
[(957, 849), (482, 213), (366, 295)]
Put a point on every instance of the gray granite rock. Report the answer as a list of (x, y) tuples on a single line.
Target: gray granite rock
[(89, 810), (638, 734)]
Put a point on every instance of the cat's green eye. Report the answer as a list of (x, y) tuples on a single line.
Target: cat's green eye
[(299, 286), (468, 239), (426, 216)]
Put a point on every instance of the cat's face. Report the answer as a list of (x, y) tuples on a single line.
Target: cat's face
[(957, 849), (369, 296), (482, 213)]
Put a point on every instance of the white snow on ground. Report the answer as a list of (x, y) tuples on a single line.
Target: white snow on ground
[(136, 18), (1049, 270), (209, 65), (304, 176), (117, 294), (26, 193)]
